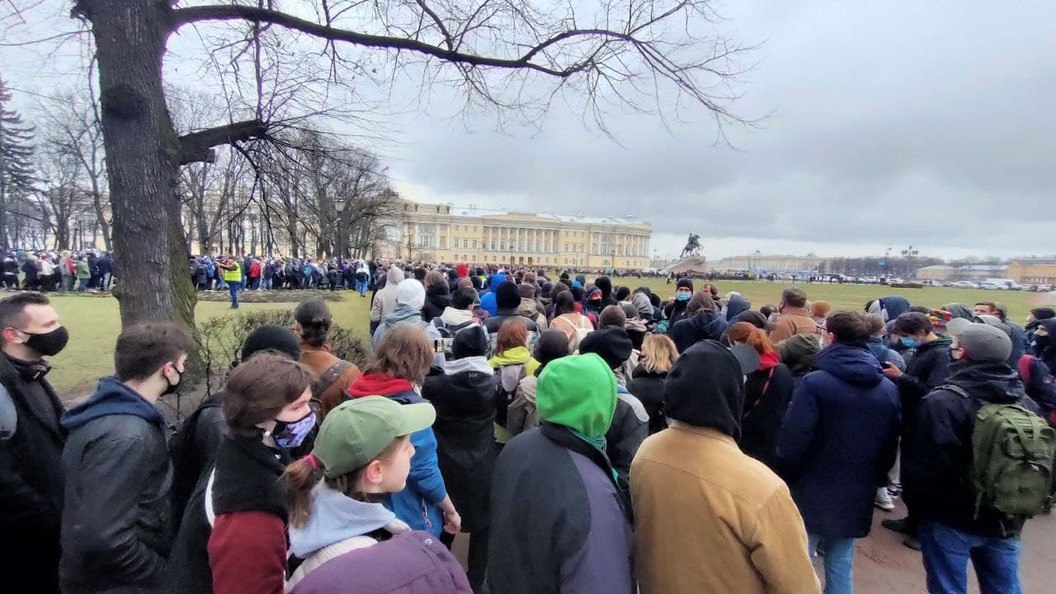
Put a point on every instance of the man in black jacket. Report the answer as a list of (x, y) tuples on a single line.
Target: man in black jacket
[(31, 481), (936, 462), (925, 371), (115, 522)]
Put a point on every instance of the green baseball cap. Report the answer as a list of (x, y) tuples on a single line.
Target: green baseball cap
[(357, 430)]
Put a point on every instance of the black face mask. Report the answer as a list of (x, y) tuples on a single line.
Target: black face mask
[(1040, 343), (49, 344), (172, 388)]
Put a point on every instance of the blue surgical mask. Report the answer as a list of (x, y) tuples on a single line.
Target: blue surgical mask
[(909, 343), (292, 434), (683, 296)]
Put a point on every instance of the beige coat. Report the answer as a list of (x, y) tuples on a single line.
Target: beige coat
[(794, 320), (711, 519)]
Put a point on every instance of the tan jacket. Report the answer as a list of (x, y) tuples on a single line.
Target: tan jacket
[(319, 359), (794, 320), (711, 519)]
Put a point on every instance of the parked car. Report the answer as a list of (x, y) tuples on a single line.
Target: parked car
[(964, 285), (993, 286)]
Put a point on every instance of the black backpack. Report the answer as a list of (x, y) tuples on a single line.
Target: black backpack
[(447, 335)]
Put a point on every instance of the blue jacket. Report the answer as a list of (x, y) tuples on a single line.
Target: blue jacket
[(839, 440), (487, 300), (418, 504)]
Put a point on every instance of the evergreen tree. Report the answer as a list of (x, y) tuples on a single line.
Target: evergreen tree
[(16, 162)]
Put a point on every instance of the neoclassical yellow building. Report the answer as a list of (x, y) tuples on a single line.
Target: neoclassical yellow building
[(446, 233)]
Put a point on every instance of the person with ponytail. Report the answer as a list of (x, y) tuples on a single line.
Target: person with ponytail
[(396, 371), (342, 537), (312, 321), (767, 392)]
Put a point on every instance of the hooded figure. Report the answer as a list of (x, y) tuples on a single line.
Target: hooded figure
[(958, 310), (559, 522), (695, 469), (487, 300), (734, 306), (702, 322), (630, 424), (465, 414), (410, 297), (889, 307), (385, 299)]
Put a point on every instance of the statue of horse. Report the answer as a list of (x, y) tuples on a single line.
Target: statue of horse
[(692, 246)]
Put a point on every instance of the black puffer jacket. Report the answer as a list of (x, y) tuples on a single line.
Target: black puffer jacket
[(464, 397), (938, 453), (630, 427), (116, 521), (193, 451), (648, 387), (31, 479)]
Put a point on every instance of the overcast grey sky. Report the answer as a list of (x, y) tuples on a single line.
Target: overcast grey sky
[(895, 123)]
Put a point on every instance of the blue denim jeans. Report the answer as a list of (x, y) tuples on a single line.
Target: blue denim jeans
[(946, 553), (361, 286), (839, 562), (234, 287)]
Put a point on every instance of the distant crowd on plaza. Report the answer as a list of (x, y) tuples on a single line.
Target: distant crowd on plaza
[(584, 436), (63, 271)]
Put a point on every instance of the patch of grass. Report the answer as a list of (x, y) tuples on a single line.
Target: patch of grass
[(94, 323)]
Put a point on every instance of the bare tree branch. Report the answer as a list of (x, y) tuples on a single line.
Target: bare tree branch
[(197, 146)]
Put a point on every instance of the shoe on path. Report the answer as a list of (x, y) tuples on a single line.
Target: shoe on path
[(883, 500)]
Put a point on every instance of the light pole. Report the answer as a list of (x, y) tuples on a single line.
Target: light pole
[(909, 253)]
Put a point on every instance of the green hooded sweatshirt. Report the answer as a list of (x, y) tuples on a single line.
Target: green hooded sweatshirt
[(579, 392)]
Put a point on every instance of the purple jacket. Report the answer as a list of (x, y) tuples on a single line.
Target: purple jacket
[(409, 563)]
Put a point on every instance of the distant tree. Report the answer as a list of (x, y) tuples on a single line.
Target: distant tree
[(17, 173)]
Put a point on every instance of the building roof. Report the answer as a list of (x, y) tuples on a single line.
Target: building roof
[(476, 211)]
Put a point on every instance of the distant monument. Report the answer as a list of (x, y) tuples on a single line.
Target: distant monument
[(692, 246)]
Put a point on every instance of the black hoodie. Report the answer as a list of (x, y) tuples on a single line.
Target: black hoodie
[(705, 388), (937, 456)]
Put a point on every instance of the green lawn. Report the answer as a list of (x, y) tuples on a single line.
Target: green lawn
[(94, 323)]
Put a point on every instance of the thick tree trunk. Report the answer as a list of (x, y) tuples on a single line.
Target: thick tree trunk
[(142, 155)]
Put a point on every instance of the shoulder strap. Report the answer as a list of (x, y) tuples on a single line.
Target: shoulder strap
[(8, 415), (330, 376), (956, 390)]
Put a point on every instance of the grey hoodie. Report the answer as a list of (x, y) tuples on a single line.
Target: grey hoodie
[(385, 299), (336, 525)]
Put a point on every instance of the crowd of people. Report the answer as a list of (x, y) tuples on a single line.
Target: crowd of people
[(586, 437), (63, 271)]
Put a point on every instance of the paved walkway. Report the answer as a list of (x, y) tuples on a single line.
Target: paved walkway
[(883, 565)]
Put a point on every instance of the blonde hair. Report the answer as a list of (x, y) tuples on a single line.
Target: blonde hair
[(658, 353)]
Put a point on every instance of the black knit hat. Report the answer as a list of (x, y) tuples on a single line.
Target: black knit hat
[(279, 339), (684, 283), (507, 296), (471, 341), (612, 344)]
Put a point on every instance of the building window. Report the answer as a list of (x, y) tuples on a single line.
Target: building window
[(474, 228), (474, 244), (493, 245)]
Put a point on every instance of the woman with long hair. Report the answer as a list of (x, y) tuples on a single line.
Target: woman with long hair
[(311, 322), (512, 363), (647, 382), (337, 520), (767, 392), (568, 320), (396, 371)]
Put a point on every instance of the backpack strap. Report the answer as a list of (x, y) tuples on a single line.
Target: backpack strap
[(956, 390), (330, 376)]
